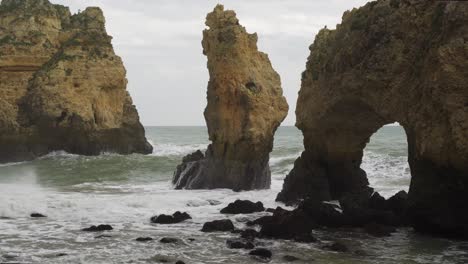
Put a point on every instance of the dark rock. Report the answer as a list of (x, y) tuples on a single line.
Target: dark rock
[(337, 246), (237, 244), (270, 210), (224, 225), (249, 234), (398, 203), (377, 202), (290, 258), (287, 225), (61, 254), (169, 240), (98, 228), (37, 215), (144, 239), (243, 207), (177, 217), (379, 230), (191, 239), (324, 214), (180, 262), (261, 252)]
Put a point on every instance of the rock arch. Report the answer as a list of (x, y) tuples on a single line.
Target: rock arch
[(389, 61)]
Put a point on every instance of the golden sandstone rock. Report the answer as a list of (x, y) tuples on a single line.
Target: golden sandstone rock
[(389, 61), (61, 85), (245, 107)]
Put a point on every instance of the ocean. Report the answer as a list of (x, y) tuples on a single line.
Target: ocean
[(76, 192)]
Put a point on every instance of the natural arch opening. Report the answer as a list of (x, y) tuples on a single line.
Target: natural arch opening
[(385, 161)]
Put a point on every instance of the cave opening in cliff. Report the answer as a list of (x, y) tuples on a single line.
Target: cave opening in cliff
[(385, 160)]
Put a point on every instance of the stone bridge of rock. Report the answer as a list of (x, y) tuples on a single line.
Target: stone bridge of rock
[(389, 61)]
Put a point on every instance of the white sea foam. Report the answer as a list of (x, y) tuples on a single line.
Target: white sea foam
[(162, 150)]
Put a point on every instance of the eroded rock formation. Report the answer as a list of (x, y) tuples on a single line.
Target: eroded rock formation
[(400, 61), (61, 85), (245, 107)]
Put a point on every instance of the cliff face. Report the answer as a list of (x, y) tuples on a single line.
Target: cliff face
[(245, 107), (61, 85), (389, 61)]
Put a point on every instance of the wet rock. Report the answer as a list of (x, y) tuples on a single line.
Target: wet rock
[(214, 202), (270, 210), (144, 239), (177, 217), (261, 253), (238, 244), (337, 246), (324, 214), (169, 240), (61, 254), (377, 202), (180, 262), (249, 234), (379, 230), (287, 225), (245, 107), (305, 238), (224, 225), (98, 228), (398, 203), (37, 215), (243, 207), (290, 258)]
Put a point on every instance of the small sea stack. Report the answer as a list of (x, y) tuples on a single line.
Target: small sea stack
[(245, 107), (62, 87)]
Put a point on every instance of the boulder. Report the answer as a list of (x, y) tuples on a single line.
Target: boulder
[(287, 225), (224, 225), (177, 217), (144, 239), (37, 215), (169, 240), (245, 107), (243, 207), (62, 87)]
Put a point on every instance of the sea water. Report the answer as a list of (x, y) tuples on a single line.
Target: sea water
[(76, 192)]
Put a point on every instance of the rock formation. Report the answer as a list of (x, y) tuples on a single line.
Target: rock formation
[(245, 107), (61, 85), (400, 61)]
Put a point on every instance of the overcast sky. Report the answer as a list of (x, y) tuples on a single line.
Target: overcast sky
[(160, 43)]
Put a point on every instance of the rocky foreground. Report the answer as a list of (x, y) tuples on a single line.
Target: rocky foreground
[(62, 87), (245, 107)]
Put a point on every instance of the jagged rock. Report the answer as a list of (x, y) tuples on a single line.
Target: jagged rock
[(245, 107), (98, 228), (177, 217), (389, 61), (287, 225), (224, 225), (238, 244), (243, 207), (61, 85)]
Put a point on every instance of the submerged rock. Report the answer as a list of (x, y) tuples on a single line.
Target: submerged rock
[(144, 239), (389, 61), (243, 207), (261, 253), (61, 85), (177, 217), (169, 240), (337, 246), (224, 225), (239, 244), (379, 230), (245, 107), (37, 215), (290, 258), (98, 228)]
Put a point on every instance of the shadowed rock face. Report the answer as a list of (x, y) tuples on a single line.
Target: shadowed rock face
[(61, 85), (389, 61), (245, 107)]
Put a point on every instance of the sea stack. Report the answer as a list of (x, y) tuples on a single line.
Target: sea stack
[(245, 107), (389, 61), (62, 87)]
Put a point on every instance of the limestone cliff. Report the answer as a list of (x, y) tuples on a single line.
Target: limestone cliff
[(61, 85), (245, 107), (400, 61)]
